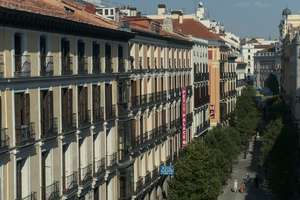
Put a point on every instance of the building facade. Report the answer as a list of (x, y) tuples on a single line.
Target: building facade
[(162, 100), (290, 65), (80, 119), (266, 62), (241, 79)]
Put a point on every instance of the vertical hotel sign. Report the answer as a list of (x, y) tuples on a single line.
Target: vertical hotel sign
[(183, 116)]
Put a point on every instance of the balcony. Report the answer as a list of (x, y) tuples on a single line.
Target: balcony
[(25, 134), (123, 109), (51, 192), (69, 125), (204, 127), (136, 102), (67, 65), (108, 66), (155, 173), (1, 66), (22, 65), (84, 119), (121, 65), (4, 139), (148, 178), (100, 167), (82, 65), (47, 65), (98, 115), (86, 174), (96, 66), (32, 196), (112, 160), (139, 185), (50, 129), (110, 113), (70, 183)]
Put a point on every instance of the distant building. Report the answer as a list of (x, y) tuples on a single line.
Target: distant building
[(222, 77), (248, 49), (267, 62), (290, 62), (288, 22), (241, 77)]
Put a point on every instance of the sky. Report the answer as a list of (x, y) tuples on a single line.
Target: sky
[(246, 18)]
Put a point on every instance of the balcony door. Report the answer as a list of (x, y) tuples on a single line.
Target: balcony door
[(22, 115), (47, 112), (67, 107), (83, 104)]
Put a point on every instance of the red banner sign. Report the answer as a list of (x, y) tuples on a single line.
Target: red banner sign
[(183, 116), (212, 111)]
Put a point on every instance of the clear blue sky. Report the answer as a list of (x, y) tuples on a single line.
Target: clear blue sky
[(243, 17)]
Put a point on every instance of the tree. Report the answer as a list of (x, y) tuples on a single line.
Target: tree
[(272, 83), (206, 163)]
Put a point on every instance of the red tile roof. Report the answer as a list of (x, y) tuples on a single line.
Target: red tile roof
[(194, 28), (57, 8), (148, 25)]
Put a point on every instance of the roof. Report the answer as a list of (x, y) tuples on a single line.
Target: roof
[(263, 46), (195, 28), (154, 27), (65, 9)]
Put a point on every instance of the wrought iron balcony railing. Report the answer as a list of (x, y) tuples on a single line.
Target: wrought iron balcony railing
[(47, 65), (25, 134), (84, 118), (100, 167), (82, 65), (69, 125), (32, 196), (22, 65), (139, 185), (70, 183), (4, 138), (108, 65), (67, 65), (110, 112), (96, 65), (51, 192), (121, 65), (112, 159), (49, 128), (98, 114), (86, 174)]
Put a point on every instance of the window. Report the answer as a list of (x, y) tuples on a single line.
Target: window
[(112, 12), (106, 12), (249, 57), (101, 11)]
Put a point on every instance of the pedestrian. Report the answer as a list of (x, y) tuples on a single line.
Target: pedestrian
[(235, 185), (242, 188)]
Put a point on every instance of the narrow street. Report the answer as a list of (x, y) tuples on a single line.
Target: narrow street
[(240, 170)]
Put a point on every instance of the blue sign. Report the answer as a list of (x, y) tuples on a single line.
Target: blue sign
[(165, 170)]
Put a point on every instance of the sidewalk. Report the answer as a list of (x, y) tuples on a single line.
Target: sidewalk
[(240, 170)]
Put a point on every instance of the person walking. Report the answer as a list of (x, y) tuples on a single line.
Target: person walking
[(235, 185)]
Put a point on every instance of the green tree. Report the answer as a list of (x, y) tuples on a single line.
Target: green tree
[(272, 83), (206, 163)]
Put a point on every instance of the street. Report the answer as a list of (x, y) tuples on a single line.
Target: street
[(240, 171)]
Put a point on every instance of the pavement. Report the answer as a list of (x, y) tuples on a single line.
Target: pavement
[(240, 170)]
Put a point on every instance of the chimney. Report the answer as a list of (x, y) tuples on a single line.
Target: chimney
[(161, 10), (177, 14), (180, 18)]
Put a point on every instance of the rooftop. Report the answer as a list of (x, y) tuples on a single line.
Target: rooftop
[(64, 9)]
